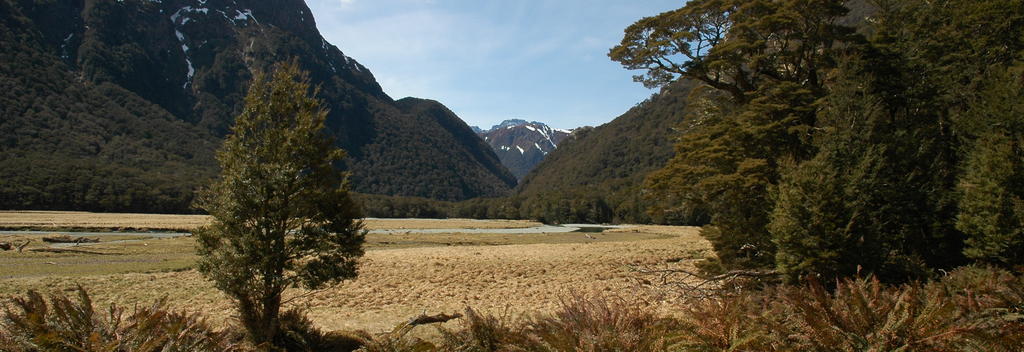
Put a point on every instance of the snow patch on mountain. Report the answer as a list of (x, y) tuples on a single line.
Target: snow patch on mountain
[(181, 39), (64, 47), (245, 15)]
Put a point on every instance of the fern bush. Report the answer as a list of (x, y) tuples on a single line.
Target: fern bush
[(600, 324), (864, 315), (580, 324), (63, 324), (972, 309), (484, 333), (744, 322)]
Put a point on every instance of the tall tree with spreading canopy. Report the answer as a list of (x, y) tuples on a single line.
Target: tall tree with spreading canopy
[(736, 45), (840, 152), (766, 63), (282, 213)]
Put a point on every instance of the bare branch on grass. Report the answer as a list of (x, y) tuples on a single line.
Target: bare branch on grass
[(424, 319), (692, 284), (69, 239), (67, 250)]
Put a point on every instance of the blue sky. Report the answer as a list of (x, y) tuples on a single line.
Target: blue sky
[(491, 60)]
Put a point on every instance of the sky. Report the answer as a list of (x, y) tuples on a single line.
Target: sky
[(492, 60)]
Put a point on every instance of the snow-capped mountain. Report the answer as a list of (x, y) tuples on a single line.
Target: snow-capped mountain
[(520, 144)]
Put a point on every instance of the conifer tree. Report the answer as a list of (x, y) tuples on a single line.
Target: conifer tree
[(992, 186), (282, 213), (851, 207)]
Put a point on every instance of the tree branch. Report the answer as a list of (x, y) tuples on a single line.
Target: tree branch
[(691, 284), (424, 319)]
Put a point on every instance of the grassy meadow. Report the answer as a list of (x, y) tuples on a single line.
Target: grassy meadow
[(87, 221), (401, 275)]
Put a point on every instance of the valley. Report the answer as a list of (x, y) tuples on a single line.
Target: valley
[(402, 274), (826, 175)]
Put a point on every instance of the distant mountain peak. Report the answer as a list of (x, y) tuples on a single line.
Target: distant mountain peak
[(509, 123), (522, 144)]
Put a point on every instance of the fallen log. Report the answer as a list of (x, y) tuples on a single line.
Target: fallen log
[(69, 239), (424, 319), (14, 245), (66, 250)]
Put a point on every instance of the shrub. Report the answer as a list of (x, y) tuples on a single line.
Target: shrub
[(864, 315), (396, 340), (993, 295), (972, 309), (68, 325), (581, 324), (298, 334), (600, 324), (482, 333), (744, 322)]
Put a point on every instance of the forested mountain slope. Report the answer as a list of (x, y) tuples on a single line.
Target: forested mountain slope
[(606, 165), (119, 105)]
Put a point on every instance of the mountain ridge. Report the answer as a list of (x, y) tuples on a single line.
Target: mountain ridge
[(188, 62), (521, 145)]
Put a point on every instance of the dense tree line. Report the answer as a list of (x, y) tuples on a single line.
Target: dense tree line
[(557, 208), (892, 147)]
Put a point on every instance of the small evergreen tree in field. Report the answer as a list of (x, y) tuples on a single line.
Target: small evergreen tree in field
[(282, 213)]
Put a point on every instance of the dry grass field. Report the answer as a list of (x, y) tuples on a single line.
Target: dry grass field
[(101, 221), (401, 275), (58, 220)]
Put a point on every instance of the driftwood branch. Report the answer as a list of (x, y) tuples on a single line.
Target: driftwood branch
[(424, 319), (14, 245), (69, 239), (66, 250), (692, 284)]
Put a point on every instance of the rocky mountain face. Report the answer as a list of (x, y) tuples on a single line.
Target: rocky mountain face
[(521, 145), (120, 104)]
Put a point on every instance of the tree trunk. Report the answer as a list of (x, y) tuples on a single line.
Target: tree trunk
[(256, 323)]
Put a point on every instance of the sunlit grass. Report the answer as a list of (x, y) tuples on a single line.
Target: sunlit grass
[(400, 276), (76, 220)]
